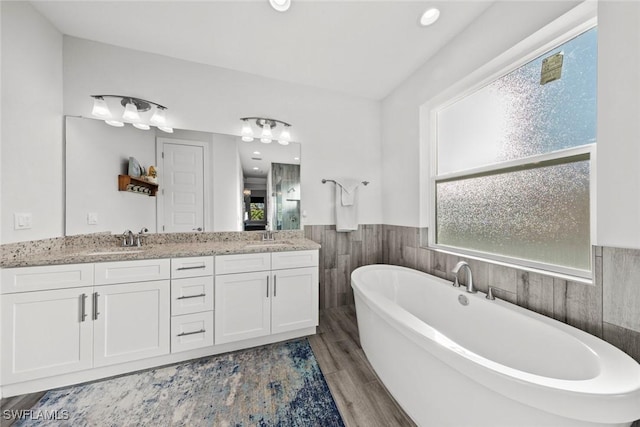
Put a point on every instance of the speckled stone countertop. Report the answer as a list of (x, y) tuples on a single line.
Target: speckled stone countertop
[(100, 247)]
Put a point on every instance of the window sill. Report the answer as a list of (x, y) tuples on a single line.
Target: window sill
[(553, 274)]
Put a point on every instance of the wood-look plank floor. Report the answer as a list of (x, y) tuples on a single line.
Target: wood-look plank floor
[(360, 396)]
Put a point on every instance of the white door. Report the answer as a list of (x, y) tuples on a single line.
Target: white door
[(131, 322), (46, 333), (182, 187), (294, 301), (242, 308)]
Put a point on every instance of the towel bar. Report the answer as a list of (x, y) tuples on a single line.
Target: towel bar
[(324, 181)]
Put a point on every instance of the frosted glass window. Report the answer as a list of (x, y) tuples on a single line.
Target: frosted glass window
[(515, 116), (538, 214), (512, 178)]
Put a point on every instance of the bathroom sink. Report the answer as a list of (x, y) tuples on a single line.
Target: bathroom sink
[(115, 252), (267, 244)]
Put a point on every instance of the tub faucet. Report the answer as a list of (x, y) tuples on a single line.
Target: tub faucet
[(459, 266)]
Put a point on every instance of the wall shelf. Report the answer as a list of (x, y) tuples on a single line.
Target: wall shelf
[(136, 185)]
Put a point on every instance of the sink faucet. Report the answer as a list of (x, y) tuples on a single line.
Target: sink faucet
[(268, 234), (128, 239), (140, 234), (459, 266)]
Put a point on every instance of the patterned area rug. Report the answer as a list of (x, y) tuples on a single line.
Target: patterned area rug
[(275, 385)]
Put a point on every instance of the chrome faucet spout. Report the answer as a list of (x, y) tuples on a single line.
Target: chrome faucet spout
[(459, 266), (128, 238)]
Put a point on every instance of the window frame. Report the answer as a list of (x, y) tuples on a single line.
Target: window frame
[(570, 25)]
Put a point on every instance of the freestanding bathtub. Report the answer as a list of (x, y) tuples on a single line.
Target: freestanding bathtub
[(486, 363)]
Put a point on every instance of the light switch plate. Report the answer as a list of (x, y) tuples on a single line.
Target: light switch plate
[(22, 221), (92, 218)]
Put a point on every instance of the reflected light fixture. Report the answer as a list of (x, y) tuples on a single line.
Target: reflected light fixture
[(280, 5), (133, 107), (246, 192), (265, 127), (430, 16)]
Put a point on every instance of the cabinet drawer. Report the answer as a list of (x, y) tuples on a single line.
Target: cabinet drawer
[(191, 267), (294, 259), (107, 273), (243, 263), (191, 331), (24, 279), (191, 295)]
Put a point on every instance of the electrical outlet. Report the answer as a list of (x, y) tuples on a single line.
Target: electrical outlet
[(22, 221), (92, 218)]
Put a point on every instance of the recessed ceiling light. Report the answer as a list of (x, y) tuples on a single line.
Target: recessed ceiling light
[(280, 5), (256, 168), (429, 17), (296, 158), (256, 153)]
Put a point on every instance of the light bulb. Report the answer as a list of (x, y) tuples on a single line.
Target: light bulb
[(166, 129), (280, 5), (285, 136), (131, 113), (100, 108), (115, 123), (142, 126), (266, 135), (429, 17), (159, 117), (247, 132)]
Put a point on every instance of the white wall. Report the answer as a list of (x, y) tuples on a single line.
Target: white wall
[(503, 25), (96, 154), (227, 214), (340, 134), (618, 179), (32, 123)]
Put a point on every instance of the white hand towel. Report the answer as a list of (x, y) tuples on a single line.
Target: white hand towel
[(346, 205), (347, 191)]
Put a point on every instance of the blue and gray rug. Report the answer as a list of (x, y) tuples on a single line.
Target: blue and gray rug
[(275, 385)]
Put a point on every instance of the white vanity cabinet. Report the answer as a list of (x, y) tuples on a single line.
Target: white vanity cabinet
[(131, 311), (45, 333), (280, 295), (191, 303)]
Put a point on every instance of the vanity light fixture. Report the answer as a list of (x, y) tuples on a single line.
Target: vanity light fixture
[(265, 127), (131, 114), (429, 17), (280, 5)]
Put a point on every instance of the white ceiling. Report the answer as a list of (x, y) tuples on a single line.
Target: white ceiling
[(363, 48)]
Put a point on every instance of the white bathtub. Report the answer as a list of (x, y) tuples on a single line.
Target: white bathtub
[(488, 363)]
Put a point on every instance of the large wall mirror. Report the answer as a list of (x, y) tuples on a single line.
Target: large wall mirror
[(206, 181)]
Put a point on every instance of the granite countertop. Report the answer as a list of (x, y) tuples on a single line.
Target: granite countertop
[(103, 247)]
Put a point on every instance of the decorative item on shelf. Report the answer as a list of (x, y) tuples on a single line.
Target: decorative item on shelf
[(265, 127), (152, 175), (153, 114), (135, 169), (136, 185)]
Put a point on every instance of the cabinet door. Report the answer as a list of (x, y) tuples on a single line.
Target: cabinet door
[(242, 308), (294, 303), (131, 322), (45, 334)]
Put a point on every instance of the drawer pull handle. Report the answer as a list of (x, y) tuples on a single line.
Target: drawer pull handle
[(192, 296), (83, 307), (197, 267), (201, 331), (95, 306)]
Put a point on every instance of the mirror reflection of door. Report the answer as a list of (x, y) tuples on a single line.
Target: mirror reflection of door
[(182, 186)]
